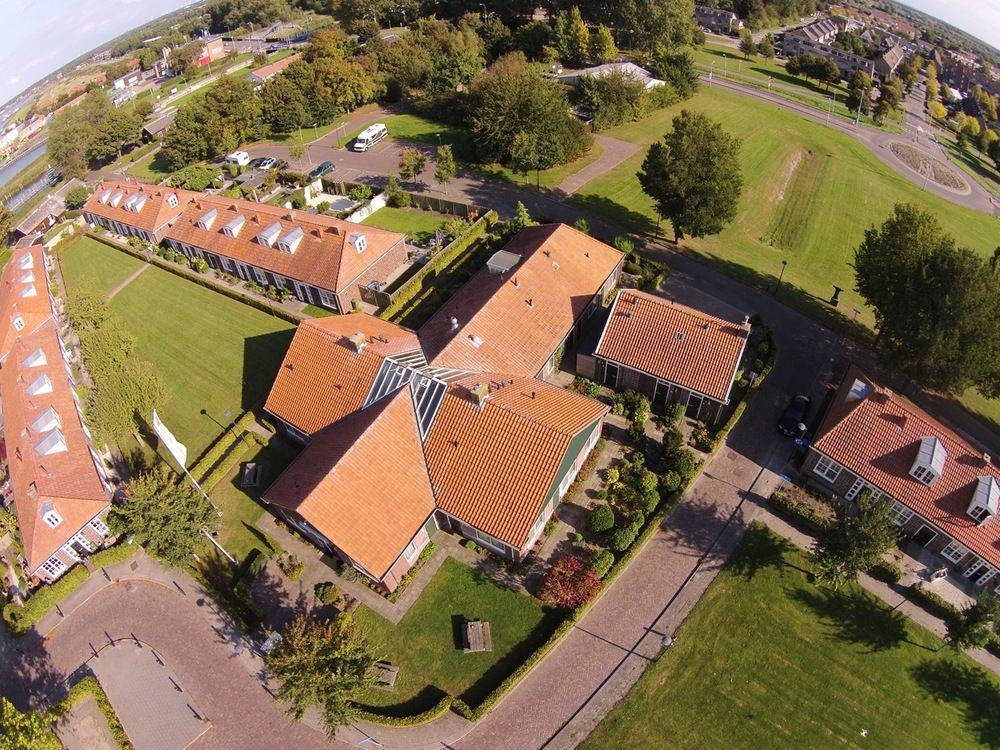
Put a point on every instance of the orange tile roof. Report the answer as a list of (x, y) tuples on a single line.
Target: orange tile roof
[(323, 258), (673, 342), (156, 212), (25, 270), (493, 467), (68, 480), (496, 329), (267, 71), (363, 483), (322, 378), (877, 437)]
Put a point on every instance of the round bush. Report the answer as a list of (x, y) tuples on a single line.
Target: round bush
[(602, 518), (601, 562), (621, 539)]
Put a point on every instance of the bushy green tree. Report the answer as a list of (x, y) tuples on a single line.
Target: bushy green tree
[(859, 92), (975, 622), (601, 519), (612, 99), (445, 166), (29, 730), (857, 539), (282, 105), (747, 45), (766, 47), (411, 163), (602, 45), (572, 36)]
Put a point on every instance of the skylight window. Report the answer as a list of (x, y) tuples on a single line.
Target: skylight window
[(29, 291), (27, 262), (47, 420), (40, 385), (52, 442)]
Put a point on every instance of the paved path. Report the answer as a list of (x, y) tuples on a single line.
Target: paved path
[(131, 277), (614, 152)]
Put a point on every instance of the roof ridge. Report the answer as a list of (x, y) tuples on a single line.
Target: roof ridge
[(531, 419), (678, 306)]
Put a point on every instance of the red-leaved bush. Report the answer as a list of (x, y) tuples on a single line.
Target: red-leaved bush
[(569, 583)]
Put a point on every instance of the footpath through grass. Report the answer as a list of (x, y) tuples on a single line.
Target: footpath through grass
[(426, 644), (89, 266), (768, 659)]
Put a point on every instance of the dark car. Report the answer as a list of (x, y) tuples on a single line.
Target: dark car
[(321, 170), (793, 418)]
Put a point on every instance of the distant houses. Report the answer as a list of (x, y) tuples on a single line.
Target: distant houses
[(264, 73), (717, 20)]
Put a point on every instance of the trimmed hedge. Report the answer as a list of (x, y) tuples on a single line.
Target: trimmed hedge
[(797, 512), (407, 293), (21, 619), (438, 709), (217, 451), (933, 603), (886, 571), (204, 281), (90, 686), (116, 554), (221, 469)]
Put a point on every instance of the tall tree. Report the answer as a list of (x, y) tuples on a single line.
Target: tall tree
[(282, 105), (411, 163), (766, 47), (612, 99), (602, 45), (445, 167), (855, 541), (322, 664), (935, 303), (572, 37), (165, 514), (693, 175), (859, 92), (29, 730), (974, 624), (524, 153), (6, 222), (747, 45)]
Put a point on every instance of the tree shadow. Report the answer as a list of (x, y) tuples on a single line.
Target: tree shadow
[(30, 679), (759, 550), (858, 618), (260, 536), (694, 525), (427, 698), (969, 686), (271, 592)]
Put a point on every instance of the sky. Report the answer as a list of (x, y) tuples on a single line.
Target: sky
[(43, 35), (981, 18)]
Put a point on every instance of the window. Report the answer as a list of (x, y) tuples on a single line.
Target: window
[(261, 276), (922, 474), (227, 265), (410, 552), (54, 567), (52, 518), (979, 513), (900, 514), (954, 552), (100, 527), (80, 539), (611, 374), (827, 469), (327, 299), (18, 323)]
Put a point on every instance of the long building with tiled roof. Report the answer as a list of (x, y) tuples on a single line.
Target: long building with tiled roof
[(945, 491), (318, 259), (670, 352), (57, 482)]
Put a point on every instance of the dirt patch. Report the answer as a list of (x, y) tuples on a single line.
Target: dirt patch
[(927, 166)]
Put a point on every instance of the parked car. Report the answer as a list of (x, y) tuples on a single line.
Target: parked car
[(793, 419), (268, 162), (321, 170)]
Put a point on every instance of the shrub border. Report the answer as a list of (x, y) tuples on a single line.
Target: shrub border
[(90, 686), (53, 593), (437, 710)]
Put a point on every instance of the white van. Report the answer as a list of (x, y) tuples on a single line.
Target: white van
[(370, 136), (238, 157)]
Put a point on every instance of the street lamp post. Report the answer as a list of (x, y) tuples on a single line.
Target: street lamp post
[(781, 275)]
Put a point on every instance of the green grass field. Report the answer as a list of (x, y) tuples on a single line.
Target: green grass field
[(212, 352), (416, 224), (770, 660), (88, 266), (426, 644), (150, 168)]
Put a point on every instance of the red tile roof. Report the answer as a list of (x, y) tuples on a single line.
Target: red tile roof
[(271, 69), (363, 483), (513, 322), (876, 436), (156, 212), (323, 378), (673, 342), (24, 271), (65, 479), (493, 467), (325, 256)]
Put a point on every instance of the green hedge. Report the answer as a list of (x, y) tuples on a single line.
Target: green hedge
[(798, 512), (217, 450), (438, 709), (116, 554), (885, 571), (412, 288), (221, 469), (933, 603), (204, 281), (21, 619), (90, 686)]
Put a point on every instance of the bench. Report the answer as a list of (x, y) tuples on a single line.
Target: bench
[(477, 637), (250, 476), (385, 675)]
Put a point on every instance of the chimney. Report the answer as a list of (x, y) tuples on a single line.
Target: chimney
[(745, 324), (359, 341), (454, 323), (481, 392)]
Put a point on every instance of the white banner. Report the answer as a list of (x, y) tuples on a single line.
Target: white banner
[(177, 449)]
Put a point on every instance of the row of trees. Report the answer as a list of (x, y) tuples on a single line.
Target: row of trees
[(749, 48), (92, 133)]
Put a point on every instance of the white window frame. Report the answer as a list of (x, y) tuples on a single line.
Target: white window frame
[(82, 540), (981, 510), (261, 276), (99, 526), (954, 551), (52, 518), (977, 566), (828, 469), (327, 299), (410, 551), (55, 566), (899, 514)]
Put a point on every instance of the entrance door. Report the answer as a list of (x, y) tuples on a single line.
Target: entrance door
[(660, 393), (694, 405), (611, 374), (924, 536)]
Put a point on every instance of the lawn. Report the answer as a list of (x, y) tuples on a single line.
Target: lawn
[(418, 225), (212, 352), (426, 644), (150, 168), (770, 660), (89, 266)]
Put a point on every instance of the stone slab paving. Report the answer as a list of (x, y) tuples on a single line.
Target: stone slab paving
[(84, 727), (151, 703)]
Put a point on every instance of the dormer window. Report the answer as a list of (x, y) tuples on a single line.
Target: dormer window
[(232, 227), (36, 359), (50, 515), (40, 385), (52, 442), (358, 241), (207, 219), (26, 278), (290, 240), (18, 323), (172, 200), (47, 420), (929, 464), (27, 262), (116, 198), (985, 500), (104, 197), (29, 291), (269, 234), (138, 202), (129, 204)]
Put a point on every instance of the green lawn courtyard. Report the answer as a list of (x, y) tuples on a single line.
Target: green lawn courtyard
[(426, 644), (417, 225), (150, 168), (769, 660), (90, 266)]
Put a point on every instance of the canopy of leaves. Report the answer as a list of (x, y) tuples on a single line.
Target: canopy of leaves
[(855, 541), (93, 132), (569, 583), (233, 14), (613, 99), (974, 624), (29, 730)]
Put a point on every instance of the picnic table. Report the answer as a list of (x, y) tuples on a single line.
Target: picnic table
[(385, 674), (477, 637)]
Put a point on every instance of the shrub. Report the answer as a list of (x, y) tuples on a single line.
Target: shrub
[(111, 555), (328, 593), (200, 265), (701, 438), (291, 566), (792, 508), (674, 412), (395, 196), (669, 482), (886, 571), (587, 387), (683, 462), (633, 268), (581, 225), (624, 245), (21, 619), (323, 206), (550, 526), (601, 562), (934, 603), (77, 196), (455, 228), (569, 583), (621, 539), (360, 193), (298, 201), (348, 572), (601, 519)]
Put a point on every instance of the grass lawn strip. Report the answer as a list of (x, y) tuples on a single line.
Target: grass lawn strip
[(88, 266), (150, 168), (417, 225), (768, 659), (426, 644)]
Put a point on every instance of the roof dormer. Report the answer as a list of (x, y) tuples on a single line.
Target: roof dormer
[(35, 359), (129, 204), (26, 278), (27, 262), (138, 201), (358, 241), (116, 198), (52, 442), (207, 219), (49, 513), (929, 464), (28, 291), (104, 197), (232, 227), (172, 200), (290, 240), (47, 420), (40, 385), (269, 234), (985, 500)]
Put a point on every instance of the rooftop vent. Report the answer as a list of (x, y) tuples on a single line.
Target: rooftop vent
[(232, 227), (269, 234), (360, 341), (531, 302), (289, 242), (475, 340), (358, 241), (481, 392), (207, 219), (929, 464), (985, 500), (502, 261), (454, 323)]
